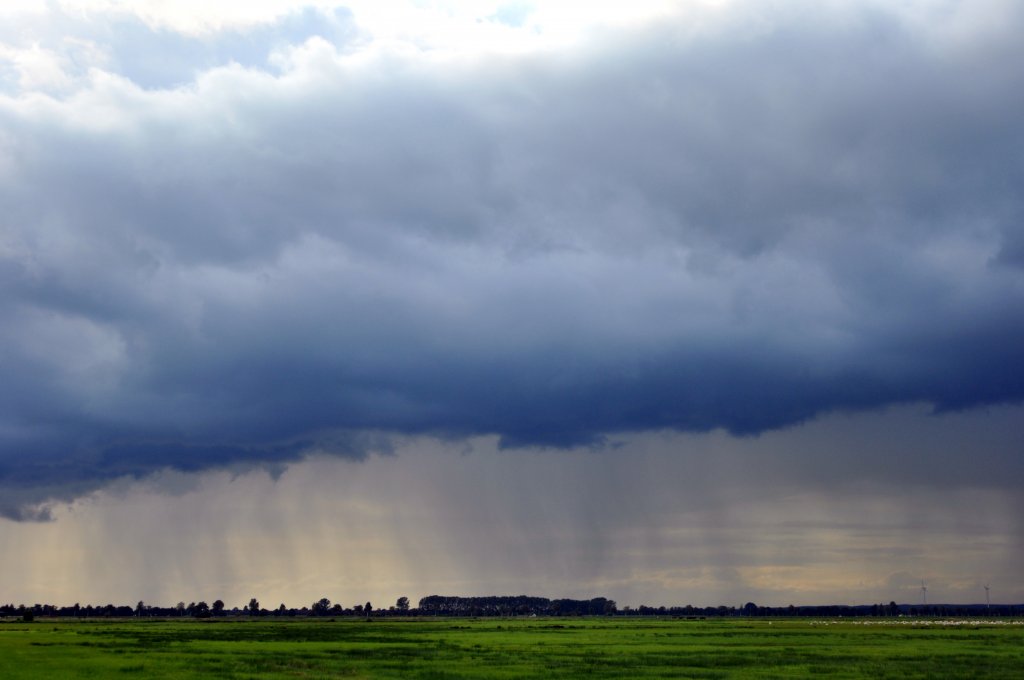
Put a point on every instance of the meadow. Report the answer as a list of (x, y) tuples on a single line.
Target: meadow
[(510, 648)]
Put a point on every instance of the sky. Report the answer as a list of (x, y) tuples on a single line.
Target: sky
[(669, 302)]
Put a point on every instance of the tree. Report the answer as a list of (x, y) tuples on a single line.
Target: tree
[(201, 610), (321, 606), (254, 607), (180, 607), (218, 607), (368, 609), (139, 608), (403, 604)]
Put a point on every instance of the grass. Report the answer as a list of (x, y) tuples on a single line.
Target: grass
[(507, 648)]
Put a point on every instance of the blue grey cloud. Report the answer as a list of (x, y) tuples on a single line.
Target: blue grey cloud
[(742, 228)]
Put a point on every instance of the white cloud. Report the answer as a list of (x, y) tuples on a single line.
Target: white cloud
[(37, 69), (189, 16)]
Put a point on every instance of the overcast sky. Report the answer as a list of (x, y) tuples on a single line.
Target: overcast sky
[(691, 302)]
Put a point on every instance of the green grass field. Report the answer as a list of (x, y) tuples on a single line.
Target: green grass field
[(505, 648)]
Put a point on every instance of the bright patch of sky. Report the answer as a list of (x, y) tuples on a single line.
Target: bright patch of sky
[(53, 48)]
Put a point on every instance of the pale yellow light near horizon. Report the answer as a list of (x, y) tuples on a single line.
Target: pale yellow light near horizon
[(665, 519)]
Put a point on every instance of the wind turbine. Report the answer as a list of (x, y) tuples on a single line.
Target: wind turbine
[(924, 594), (988, 605)]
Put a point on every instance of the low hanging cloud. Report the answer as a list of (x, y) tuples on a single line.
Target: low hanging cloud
[(740, 223)]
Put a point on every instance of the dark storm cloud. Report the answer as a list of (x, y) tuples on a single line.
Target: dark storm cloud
[(741, 226)]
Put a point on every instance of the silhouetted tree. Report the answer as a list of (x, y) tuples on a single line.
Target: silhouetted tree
[(321, 606), (201, 610), (368, 609), (403, 604), (254, 607)]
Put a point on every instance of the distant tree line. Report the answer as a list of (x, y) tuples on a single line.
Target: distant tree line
[(201, 610), (517, 605)]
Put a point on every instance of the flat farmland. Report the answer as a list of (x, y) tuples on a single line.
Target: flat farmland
[(511, 648)]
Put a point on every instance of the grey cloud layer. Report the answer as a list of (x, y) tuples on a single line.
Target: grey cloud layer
[(739, 227)]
